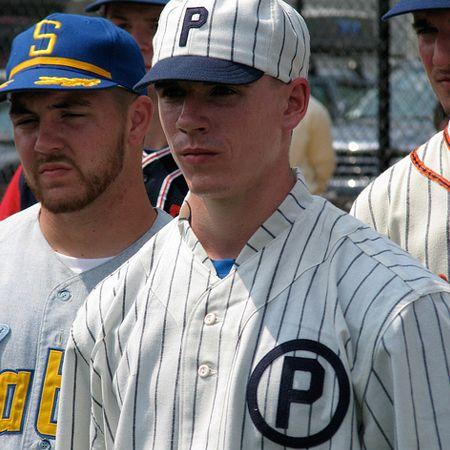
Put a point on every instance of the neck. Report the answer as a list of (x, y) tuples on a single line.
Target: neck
[(224, 226), (104, 228)]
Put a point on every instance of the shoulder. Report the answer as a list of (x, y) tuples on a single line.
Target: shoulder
[(112, 299), (18, 222), (391, 268), (376, 196)]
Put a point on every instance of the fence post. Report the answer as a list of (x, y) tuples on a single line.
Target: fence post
[(384, 151)]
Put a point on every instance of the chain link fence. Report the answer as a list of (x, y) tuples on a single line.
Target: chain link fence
[(366, 73)]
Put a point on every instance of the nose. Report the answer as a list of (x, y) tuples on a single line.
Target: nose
[(192, 118), (441, 53), (48, 139)]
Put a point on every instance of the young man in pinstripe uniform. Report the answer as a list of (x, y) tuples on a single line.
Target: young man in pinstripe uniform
[(410, 202), (264, 317)]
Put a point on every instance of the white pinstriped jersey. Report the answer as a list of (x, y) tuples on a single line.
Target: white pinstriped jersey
[(410, 203), (324, 334)]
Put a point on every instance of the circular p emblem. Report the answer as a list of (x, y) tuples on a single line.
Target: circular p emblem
[(288, 395)]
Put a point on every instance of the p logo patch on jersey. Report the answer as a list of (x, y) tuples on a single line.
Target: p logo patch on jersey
[(298, 395), (4, 331)]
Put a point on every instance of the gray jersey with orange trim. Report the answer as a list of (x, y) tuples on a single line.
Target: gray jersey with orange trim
[(324, 334), (410, 204), (39, 298)]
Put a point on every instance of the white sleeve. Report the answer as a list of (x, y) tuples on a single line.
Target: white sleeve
[(407, 401)]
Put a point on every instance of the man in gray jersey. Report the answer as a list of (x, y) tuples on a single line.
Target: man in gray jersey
[(79, 126), (263, 317), (410, 202)]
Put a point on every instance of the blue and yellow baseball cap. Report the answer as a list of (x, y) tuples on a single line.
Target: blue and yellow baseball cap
[(411, 6), (68, 51), (94, 6)]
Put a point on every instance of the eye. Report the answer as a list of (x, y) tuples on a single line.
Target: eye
[(70, 114), (422, 27), (223, 90), (425, 30), (23, 121), (170, 91), (122, 24)]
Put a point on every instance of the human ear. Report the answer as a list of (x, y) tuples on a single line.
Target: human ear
[(297, 104), (140, 114)]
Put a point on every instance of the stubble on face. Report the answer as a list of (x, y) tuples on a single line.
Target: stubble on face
[(87, 187)]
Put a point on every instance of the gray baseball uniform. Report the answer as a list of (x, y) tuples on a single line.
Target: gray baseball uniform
[(38, 304), (324, 334), (410, 203)]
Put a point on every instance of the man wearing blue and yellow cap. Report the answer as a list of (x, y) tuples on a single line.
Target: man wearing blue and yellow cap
[(79, 127), (164, 182)]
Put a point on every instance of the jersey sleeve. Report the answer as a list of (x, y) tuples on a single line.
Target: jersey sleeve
[(10, 203), (407, 400)]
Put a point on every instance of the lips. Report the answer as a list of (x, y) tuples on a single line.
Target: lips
[(53, 167), (197, 155), (442, 77)]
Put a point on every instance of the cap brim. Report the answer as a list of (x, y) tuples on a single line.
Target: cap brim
[(95, 6), (200, 68), (53, 79), (411, 6)]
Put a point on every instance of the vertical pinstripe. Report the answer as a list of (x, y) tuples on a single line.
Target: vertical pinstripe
[(210, 28), (296, 46), (198, 364), (310, 274), (408, 208), (282, 47), (163, 335), (255, 36), (447, 232), (233, 38), (179, 356), (425, 365)]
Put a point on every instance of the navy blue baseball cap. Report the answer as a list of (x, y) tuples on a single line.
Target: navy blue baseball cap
[(68, 51), (410, 6), (94, 6)]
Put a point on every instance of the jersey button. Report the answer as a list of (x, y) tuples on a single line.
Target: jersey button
[(44, 445), (210, 319), (204, 371), (64, 295)]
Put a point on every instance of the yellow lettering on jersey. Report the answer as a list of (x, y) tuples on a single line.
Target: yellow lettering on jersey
[(50, 36), (12, 409), (46, 423)]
